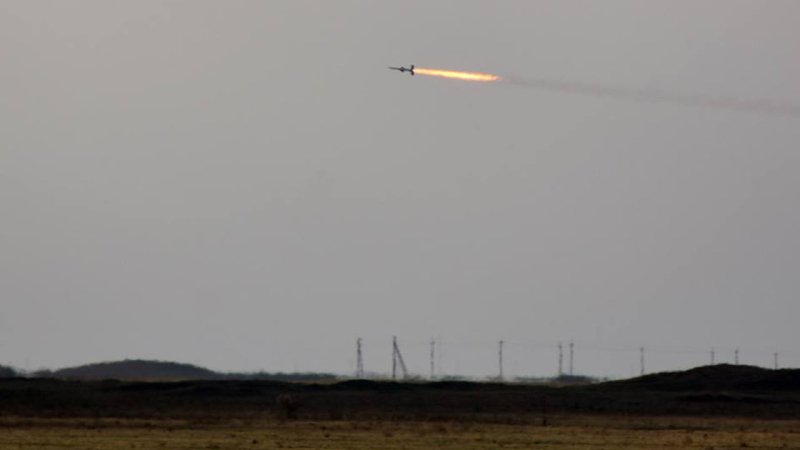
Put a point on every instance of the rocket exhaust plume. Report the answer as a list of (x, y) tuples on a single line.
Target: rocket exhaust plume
[(466, 76), (758, 106)]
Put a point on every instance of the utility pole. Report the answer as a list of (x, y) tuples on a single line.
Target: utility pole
[(433, 353), (360, 363), (500, 359), (571, 358), (775, 356), (397, 360), (440, 356), (712, 356), (641, 360), (394, 357), (736, 357), (560, 360)]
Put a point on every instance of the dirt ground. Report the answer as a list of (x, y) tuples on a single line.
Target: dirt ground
[(605, 433)]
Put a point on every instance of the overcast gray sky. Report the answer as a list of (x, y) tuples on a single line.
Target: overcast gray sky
[(244, 185)]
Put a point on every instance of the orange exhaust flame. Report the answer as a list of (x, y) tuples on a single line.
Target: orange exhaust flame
[(466, 76)]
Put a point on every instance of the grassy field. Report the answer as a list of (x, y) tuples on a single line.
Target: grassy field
[(583, 432)]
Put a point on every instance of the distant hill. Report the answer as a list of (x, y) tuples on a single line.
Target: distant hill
[(148, 370), (715, 378), (8, 372), (135, 369)]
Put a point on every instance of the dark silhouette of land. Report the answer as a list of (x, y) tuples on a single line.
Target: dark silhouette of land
[(721, 390), (721, 377), (148, 370), (8, 372)]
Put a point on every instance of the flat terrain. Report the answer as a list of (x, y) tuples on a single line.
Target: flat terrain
[(609, 433), (705, 408)]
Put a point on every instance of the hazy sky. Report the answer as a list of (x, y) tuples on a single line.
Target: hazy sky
[(244, 185)]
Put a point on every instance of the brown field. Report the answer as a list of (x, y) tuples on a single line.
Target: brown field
[(715, 407), (583, 432)]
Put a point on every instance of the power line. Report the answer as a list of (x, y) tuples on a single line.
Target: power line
[(538, 351)]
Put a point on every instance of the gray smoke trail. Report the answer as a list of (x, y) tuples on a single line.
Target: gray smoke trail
[(660, 96)]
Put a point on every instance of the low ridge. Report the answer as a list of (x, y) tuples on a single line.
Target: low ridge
[(715, 378), (136, 369)]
